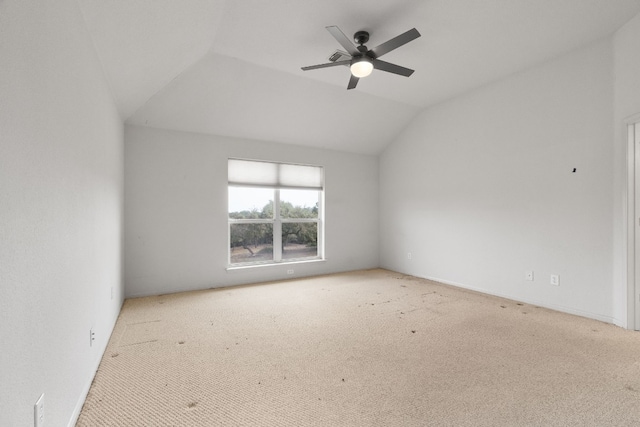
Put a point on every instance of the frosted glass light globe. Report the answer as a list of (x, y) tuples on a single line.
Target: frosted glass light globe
[(361, 68)]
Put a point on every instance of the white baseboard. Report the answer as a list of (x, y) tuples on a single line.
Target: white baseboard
[(556, 307), (85, 390)]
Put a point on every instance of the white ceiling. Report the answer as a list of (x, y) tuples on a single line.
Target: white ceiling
[(233, 67)]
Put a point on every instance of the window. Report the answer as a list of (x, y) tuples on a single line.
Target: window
[(275, 212)]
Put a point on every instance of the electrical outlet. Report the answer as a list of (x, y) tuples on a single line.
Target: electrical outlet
[(92, 337), (528, 275), (409, 255), (290, 271), (555, 280), (38, 412)]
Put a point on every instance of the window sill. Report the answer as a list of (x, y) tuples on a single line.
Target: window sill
[(278, 264)]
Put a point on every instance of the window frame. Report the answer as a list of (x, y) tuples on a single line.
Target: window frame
[(277, 222)]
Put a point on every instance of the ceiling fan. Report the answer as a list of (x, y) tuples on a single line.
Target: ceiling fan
[(362, 60)]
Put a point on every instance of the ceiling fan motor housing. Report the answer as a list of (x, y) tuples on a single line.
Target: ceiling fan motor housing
[(361, 37)]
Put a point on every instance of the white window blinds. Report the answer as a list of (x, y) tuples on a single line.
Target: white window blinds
[(252, 173)]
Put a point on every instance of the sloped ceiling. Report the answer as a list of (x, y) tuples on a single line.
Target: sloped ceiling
[(233, 67)]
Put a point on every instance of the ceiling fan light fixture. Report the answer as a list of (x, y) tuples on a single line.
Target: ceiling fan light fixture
[(361, 67), (362, 60)]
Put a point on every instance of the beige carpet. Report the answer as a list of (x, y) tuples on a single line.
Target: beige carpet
[(368, 348)]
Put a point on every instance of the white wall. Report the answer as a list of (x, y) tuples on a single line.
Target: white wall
[(176, 210), (626, 44), (480, 189), (60, 210)]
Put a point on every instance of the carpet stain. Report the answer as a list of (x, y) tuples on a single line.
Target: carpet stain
[(503, 306), (413, 331), (628, 387), (180, 342), (115, 354), (192, 405)]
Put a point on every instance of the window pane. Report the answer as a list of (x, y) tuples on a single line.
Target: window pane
[(250, 203), (251, 243), (299, 203), (299, 240)]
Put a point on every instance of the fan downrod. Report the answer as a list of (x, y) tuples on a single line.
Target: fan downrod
[(361, 37)]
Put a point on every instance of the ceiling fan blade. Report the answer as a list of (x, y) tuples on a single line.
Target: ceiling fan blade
[(395, 42), (343, 40), (391, 68), (328, 64), (353, 81)]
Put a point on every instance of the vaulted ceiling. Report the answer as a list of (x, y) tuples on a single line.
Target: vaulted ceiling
[(233, 67)]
